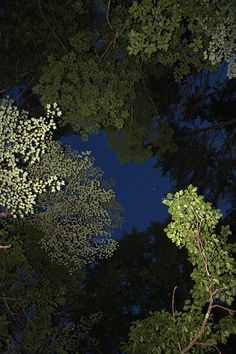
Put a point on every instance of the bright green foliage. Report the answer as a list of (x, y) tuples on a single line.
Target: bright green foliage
[(104, 87), (23, 142), (78, 220), (176, 33), (104, 95), (193, 226)]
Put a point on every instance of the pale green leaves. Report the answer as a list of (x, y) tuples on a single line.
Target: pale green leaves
[(23, 142), (78, 220), (222, 45)]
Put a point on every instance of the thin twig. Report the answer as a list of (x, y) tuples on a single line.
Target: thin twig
[(200, 247), (149, 95), (8, 308), (11, 298), (52, 30), (173, 301), (108, 9), (209, 345), (202, 329), (173, 313), (4, 90), (224, 308), (25, 89), (117, 35), (17, 65), (4, 247)]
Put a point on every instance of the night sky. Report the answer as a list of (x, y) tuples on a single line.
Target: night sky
[(139, 188)]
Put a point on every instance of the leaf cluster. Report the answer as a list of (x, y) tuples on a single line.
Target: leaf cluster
[(193, 226)]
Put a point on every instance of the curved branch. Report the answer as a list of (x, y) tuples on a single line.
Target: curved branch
[(4, 247), (173, 301), (108, 9), (224, 308), (209, 345), (202, 329), (52, 30)]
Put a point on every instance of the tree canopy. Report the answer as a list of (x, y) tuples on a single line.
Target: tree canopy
[(159, 78)]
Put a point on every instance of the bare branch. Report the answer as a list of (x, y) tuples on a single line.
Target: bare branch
[(173, 301), (4, 247), (224, 308), (52, 30), (4, 90), (218, 125), (202, 329), (209, 345), (212, 291), (108, 9), (117, 35)]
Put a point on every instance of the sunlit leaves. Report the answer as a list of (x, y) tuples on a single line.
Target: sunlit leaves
[(193, 226), (23, 142)]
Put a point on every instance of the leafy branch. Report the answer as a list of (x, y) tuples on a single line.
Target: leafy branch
[(193, 227)]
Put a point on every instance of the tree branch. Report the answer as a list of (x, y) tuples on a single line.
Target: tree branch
[(209, 345), (173, 301), (52, 30), (108, 9), (202, 329), (224, 308), (4, 247), (218, 125), (200, 247), (117, 35)]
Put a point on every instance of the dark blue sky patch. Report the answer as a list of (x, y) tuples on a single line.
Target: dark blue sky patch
[(139, 188)]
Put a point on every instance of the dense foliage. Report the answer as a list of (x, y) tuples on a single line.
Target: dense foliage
[(159, 78), (36, 295), (193, 226), (101, 81), (23, 142), (135, 281), (78, 220), (106, 63)]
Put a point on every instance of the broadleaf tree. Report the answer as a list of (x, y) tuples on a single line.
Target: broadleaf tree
[(192, 328), (119, 54), (105, 63), (36, 299), (77, 219), (23, 142)]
